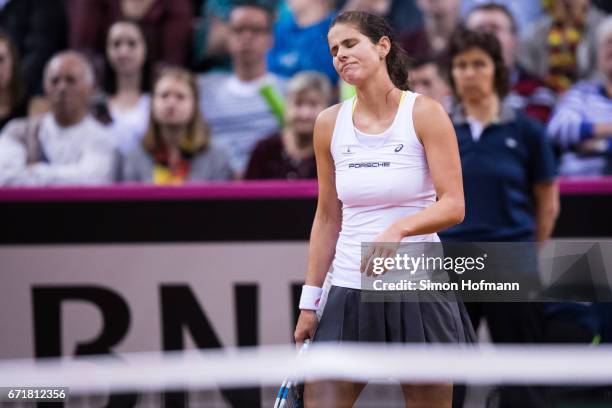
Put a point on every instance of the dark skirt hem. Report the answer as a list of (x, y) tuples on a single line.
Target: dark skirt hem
[(399, 318)]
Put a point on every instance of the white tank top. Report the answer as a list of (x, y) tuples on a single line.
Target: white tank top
[(377, 184)]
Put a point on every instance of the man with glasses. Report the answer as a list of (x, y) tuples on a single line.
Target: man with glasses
[(243, 106)]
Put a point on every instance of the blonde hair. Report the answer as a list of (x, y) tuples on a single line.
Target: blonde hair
[(310, 80), (197, 136)]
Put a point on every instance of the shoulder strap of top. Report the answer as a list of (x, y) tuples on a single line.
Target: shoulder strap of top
[(344, 122), (409, 98)]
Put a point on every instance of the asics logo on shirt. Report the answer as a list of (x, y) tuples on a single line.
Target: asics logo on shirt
[(369, 165), (398, 148)]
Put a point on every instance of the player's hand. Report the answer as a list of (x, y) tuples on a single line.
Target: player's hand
[(384, 246), (306, 326)]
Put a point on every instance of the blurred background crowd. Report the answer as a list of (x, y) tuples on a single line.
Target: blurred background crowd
[(175, 91), (170, 91)]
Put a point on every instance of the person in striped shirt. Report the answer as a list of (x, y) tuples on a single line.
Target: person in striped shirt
[(581, 126), (244, 106)]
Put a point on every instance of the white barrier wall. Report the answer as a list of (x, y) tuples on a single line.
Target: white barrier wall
[(91, 282)]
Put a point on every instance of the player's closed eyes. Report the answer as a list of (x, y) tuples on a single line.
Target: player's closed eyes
[(349, 44)]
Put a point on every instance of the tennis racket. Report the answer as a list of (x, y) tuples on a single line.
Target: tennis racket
[(291, 391)]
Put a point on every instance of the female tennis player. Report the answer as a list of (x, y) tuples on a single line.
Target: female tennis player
[(389, 172)]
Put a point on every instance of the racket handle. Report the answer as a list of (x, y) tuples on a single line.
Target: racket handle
[(280, 394), (305, 346)]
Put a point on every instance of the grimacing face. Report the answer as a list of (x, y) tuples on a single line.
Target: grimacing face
[(69, 86), (473, 72), (125, 48), (173, 102), (355, 57)]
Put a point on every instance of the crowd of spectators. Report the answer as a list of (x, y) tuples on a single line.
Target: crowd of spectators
[(169, 91)]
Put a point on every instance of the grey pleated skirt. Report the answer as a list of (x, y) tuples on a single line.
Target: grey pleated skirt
[(398, 318)]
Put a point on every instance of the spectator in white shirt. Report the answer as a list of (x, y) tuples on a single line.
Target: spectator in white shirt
[(66, 145), (127, 82)]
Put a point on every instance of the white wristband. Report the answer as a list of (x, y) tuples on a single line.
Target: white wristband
[(311, 295)]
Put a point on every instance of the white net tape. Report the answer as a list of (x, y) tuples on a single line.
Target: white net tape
[(269, 365)]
